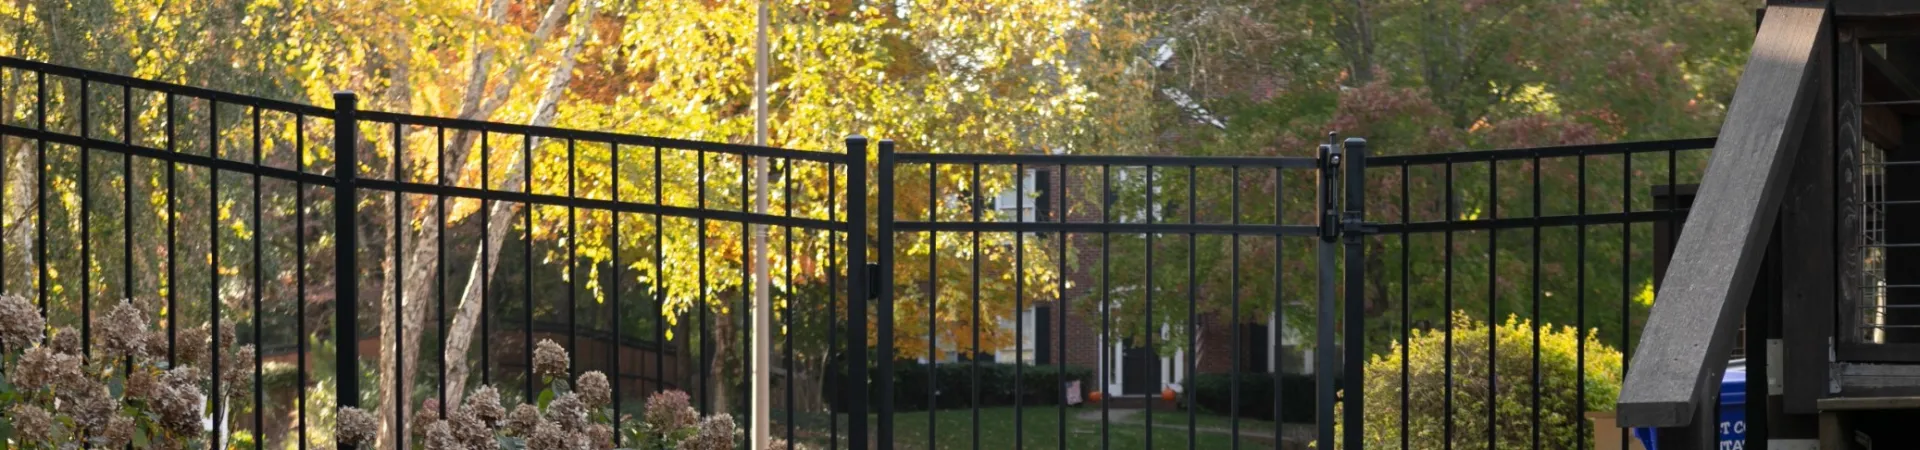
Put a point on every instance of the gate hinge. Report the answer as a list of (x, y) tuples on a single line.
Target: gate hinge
[(1353, 228)]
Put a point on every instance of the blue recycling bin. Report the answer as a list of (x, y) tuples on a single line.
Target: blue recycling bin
[(1733, 410)]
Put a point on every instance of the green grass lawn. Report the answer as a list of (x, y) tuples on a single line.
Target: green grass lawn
[(953, 429)]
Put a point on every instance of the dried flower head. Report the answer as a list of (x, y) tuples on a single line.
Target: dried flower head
[(484, 403), (142, 383), (178, 400), (470, 431), (20, 322), (92, 409), (594, 389), (226, 335), (524, 418), (43, 367), (600, 436), (123, 331), (716, 433), (30, 423), (670, 410), (568, 412), (237, 376), (428, 412), (440, 436), (119, 432), (547, 436), (66, 340), (356, 427), (191, 346), (782, 444), (157, 344), (34, 369), (549, 360)]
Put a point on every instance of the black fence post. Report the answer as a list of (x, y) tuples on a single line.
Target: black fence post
[(346, 299), (855, 385), (1324, 356), (1353, 229), (883, 284)]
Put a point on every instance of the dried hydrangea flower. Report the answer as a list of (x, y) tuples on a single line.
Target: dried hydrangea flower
[(179, 401), (568, 412), (92, 409), (594, 390), (440, 437), (670, 410), (119, 432), (524, 418), (226, 335), (600, 436), (190, 347), (782, 444), (716, 433), (470, 431), (237, 377), (43, 367), (549, 360), (20, 322), (484, 403), (66, 340), (355, 426), (142, 383), (33, 369), (547, 436), (123, 331), (158, 345), (30, 423)]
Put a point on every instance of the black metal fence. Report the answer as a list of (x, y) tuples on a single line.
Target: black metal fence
[(1171, 251), (454, 245), (445, 247), (1572, 236)]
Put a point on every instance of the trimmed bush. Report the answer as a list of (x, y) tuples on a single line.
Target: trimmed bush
[(1512, 389), (1213, 392), (954, 385)]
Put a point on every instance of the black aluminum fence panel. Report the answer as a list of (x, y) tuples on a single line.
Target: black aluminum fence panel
[(220, 210), (974, 247), (1509, 240)]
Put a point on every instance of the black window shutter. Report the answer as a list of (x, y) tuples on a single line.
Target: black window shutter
[(1043, 206), (1042, 338)]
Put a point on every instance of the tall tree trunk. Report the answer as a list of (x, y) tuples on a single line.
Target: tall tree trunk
[(460, 334), (1353, 33), (424, 259)]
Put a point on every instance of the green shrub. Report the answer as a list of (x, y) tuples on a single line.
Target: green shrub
[(954, 383), (1512, 390), (1213, 392)]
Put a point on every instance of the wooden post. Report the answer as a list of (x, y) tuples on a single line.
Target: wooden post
[(1673, 382)]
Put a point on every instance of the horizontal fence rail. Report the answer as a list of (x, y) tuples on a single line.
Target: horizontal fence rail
[(464, 242)]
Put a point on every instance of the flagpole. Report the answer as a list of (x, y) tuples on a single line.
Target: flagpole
[(762, 284)]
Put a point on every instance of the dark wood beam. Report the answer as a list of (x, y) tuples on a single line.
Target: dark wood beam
[(1683, 351), (1874, 8), (1806, 248)]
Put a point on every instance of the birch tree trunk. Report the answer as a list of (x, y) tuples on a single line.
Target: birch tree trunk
[(423, 260)]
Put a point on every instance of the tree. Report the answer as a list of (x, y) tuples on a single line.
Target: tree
[(1423, 77)]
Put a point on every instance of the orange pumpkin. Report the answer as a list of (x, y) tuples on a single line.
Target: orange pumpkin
[(1094, 396), (1166, 394)]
